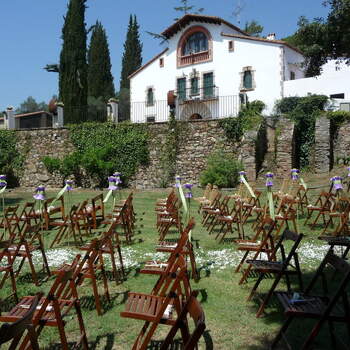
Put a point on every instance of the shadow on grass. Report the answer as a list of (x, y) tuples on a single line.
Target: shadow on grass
[(177, 344), (106, 340), (87, 302)]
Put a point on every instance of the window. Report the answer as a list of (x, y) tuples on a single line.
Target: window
[(230, 45), (161, 62), (150, 119), (181, 89), (194, 46), (292, 75), (197, 42), (194, 86), (247, 80), (150, 97), (208, 85)]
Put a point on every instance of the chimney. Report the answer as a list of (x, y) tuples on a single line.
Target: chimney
[(271, 36)]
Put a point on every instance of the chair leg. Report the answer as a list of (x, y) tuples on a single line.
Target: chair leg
[(282, 332), (242, 261), (261, 277)]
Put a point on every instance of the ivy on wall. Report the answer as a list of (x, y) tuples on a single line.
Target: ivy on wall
[(103, 148), (303, 111), (248, 118), (10, 158)]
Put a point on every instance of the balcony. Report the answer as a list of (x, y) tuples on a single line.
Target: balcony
[(197, 94), (193, 58)]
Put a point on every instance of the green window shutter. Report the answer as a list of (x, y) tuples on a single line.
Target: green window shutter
[(208, 79), (181, 88), (248, 80), (194, 86)]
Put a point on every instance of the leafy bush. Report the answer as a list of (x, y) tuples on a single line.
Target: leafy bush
[(303, 111), (222, 170), (102, 148), (247, 118), (339, 117), (52, 164), (10, 159)]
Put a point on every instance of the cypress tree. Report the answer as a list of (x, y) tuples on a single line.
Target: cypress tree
[(100, 79), (73, 67), (132, 60)]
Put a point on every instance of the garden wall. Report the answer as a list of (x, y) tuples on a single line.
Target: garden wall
[(198, 140)]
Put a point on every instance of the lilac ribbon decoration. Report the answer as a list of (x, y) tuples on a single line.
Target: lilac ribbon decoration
[(178, 181), (337, 182), (269, 177), (348, 171), (269, 184), (3, 183), (117, 176), (188, 187), (112, 183), (69, 185), (295, 174), (39, 193)]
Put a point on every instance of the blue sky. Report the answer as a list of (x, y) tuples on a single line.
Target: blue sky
[(30, 35)]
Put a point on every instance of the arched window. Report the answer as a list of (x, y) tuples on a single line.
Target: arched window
[(247, 79), (197, 42), (194, 46)]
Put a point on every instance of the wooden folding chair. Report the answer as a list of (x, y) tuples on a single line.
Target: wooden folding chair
[(24, 245), (212, 214), (194, 309), (6, 269), (331, 308), (206, 193), (88, 267), (9, 222), (28, 216), (322, 206), (14, 331), (159, 267), (340, 212), (157, 308), (264, 246), (96, 210), (53, 213), (286, 212), (286, 267), (53, 309), (339, 241)]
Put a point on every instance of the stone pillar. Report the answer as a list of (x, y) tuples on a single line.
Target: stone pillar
[(10, 118), (112, 110), (322, 145), (284, 147), (59, 122), (247, 153)]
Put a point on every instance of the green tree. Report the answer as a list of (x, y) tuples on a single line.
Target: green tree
[(100, 79), (30, 105), (253, 28), (131, 61), (73, 67), (186, 8), (324, 39)]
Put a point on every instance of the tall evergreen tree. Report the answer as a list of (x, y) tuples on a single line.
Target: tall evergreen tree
[(100, 79), (131, 61), (73, 67), (132, 56)]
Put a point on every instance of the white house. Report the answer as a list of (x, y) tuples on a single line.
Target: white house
[(334, 82), (211, 66)]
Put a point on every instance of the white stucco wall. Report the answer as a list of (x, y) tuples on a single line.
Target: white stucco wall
[(269, 61), (333, 80)]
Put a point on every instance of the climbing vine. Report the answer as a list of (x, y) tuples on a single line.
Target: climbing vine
[(303, 111), (103, 148), (10, 158), (248, 118)]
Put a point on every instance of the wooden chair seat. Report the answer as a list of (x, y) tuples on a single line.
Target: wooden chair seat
[(154, 267), (146, 307), (267, 266), (314, 306)]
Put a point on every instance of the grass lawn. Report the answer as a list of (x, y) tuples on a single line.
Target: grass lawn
[(231, 321)]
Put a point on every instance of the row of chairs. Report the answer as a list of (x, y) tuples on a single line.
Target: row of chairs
[(171, 294)]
